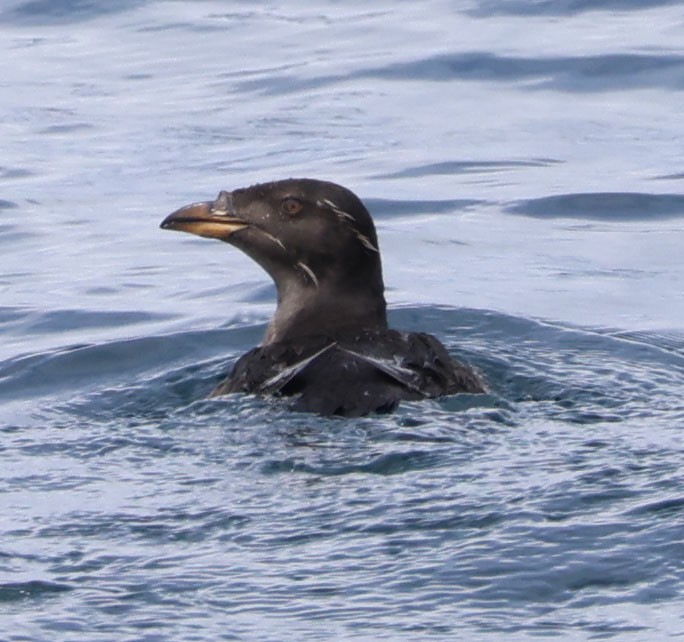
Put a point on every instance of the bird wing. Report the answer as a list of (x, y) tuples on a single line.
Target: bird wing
[(399, 373), (279, 381)]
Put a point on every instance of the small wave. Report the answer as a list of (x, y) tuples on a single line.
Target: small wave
[(64, 11), (10, 233), (65, 320), (13, 591), (65, 129), (84, 367), (603, 206), (665, 508), (391, 463), (669, 177), (381, 207), (467, 167), (667, 340), (562, 7), (598, 73), (13, 172)]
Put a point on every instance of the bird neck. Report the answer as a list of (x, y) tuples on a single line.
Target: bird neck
[(307, 311)]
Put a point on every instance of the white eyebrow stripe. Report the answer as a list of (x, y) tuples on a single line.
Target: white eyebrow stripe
[(366, 242), (345, 216), (338, 210), (309, 272)]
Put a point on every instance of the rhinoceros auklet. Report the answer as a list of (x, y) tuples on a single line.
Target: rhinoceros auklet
[(328, 344)]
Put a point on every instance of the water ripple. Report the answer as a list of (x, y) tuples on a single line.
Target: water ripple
[(135, 508), (468, 167), (12, 591), (562, 7), (588, 73), (603, 206), (63, 11)]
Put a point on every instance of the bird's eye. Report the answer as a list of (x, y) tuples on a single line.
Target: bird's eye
[(291, 206)]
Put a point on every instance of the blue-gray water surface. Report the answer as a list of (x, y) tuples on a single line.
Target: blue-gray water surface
[(524, 162)]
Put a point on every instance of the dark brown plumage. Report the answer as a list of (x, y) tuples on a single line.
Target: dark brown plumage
[(328, 345)]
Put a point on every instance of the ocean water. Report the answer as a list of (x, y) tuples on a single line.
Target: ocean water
[(524, 162)]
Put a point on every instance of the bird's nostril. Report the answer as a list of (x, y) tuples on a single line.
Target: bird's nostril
[(223, 203)]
